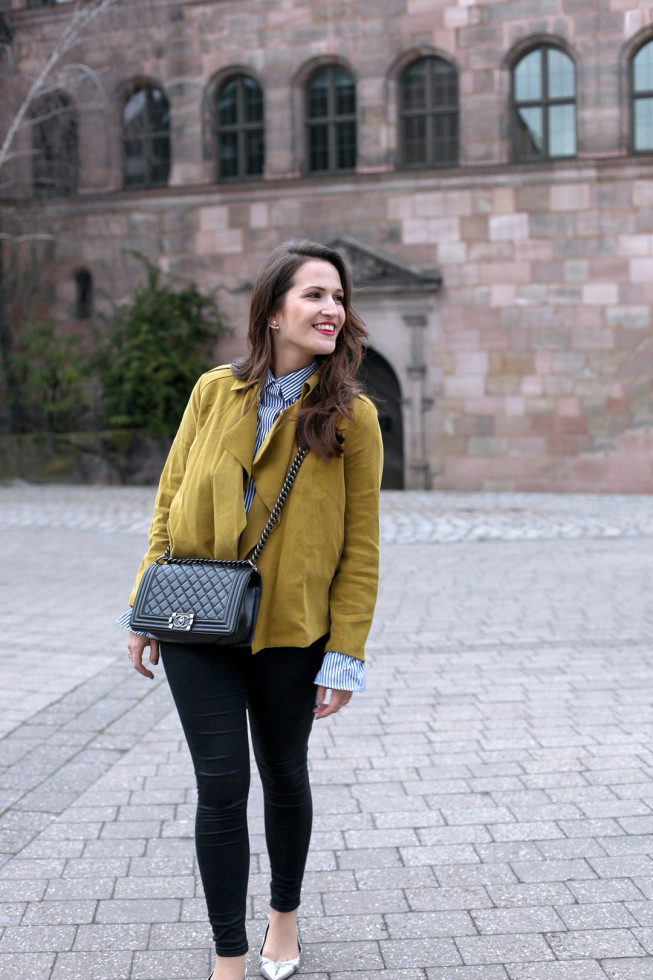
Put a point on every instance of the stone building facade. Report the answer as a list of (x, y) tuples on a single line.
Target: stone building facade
[(485, 165)]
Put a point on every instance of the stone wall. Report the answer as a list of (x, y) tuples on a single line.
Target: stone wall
[(535, 361)]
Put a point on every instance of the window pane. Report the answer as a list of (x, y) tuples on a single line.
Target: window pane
[(529, 137), (134, 163), (254, 150), (345, 146), (160, 170), (227, 111), (133, 114), (643, 124), (643, 69), (415, 141), (318, 148), (228, 154), (413, 87), (318, 95), (345, 93), (528, 77), (561, 75), (445, 139), (252, 100), (444, 85), (562, 130), (159, 111)]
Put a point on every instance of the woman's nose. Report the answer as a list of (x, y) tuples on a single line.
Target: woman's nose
[(330, 305)]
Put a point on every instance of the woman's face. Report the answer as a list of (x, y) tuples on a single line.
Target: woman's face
[(310, 319)]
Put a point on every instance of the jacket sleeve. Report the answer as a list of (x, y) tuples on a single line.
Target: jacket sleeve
[(171, 477), (352, 595)]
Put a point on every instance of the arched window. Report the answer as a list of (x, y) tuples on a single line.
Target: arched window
[(239, 128), (146, 138), (55, 143), (331, 120), (642, 91), (83, 294), (544, 105), (428, 107)]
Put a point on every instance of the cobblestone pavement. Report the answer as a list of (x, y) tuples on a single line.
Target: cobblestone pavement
[(483, 812)]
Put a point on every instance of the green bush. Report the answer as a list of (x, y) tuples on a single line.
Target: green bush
[(47, 379), (154, 349)]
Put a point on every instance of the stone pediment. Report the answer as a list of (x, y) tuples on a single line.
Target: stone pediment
[(373, 270)]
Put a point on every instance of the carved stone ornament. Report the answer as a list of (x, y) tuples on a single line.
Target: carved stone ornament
[(372, 269)]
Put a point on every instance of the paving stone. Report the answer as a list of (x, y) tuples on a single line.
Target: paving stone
[(467, 973), (59, 912), (429, 952), (36, 939), (179, 935), (517, 735), (595, 944), (517, 920), (36, 966), (137, 910), (97, 938), (606, 916), (93, 966), (628, 969), (421, 925), (503, 948), (11, 913), (579, 970)]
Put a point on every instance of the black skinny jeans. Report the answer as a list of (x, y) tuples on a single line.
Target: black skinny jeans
[(215, 688)]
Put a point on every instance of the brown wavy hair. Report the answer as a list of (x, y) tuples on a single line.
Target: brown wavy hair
[(336, 388)]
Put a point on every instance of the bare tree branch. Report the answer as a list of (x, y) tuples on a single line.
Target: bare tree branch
[(83, 16)]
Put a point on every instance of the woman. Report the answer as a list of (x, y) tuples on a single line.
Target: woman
[(229, 458)]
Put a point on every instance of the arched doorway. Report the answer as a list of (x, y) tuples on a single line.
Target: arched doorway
[(382, 386)]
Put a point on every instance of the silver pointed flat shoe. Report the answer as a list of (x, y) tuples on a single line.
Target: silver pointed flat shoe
[(278, 969)]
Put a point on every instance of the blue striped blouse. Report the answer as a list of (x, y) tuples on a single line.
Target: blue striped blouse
[(338, 671)]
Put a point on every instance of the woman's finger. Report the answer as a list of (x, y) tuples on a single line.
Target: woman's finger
[(136, 645), (338, 700)]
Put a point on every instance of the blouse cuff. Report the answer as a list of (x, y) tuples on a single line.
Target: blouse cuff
[(124, 622), (341, 673)]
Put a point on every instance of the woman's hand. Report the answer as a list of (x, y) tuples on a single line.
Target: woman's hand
[(136, 645), (338, 700)]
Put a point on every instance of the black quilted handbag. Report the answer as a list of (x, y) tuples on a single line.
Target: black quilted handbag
[(203, 600)]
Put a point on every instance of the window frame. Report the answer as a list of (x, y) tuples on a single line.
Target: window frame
[(330, 121), (633, 96), (430, 113), (544, 103), (241, 128), (60, 171), (147, 139)]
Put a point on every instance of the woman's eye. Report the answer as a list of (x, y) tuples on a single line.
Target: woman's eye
[(339, 299)]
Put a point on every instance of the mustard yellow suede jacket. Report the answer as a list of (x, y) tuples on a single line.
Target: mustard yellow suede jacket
[(319, 566)]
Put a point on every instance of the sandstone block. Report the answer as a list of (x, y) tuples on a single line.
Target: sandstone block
[(509, 227), (633, 317), (586, 339), (471, 362), (259, 215), (576, 270), (641, 270), (634, 245), (464, 386), (601, 293), (570, 197), (401, 206)]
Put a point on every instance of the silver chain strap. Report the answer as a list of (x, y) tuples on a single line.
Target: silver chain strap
[(272, 520)]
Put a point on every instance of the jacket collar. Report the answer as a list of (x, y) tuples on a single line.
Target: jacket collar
[(240, 438)]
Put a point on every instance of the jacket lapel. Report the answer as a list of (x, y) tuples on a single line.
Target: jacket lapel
[(240, 438)]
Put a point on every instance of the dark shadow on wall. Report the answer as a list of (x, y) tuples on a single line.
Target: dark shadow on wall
[(382, 386)]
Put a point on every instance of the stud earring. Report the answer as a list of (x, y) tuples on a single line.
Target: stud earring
[(273, 325)]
